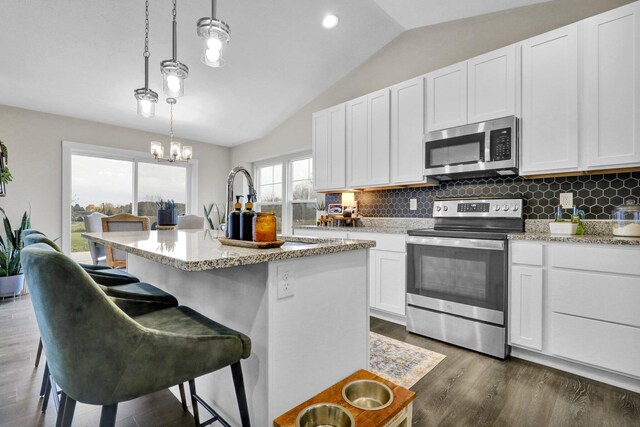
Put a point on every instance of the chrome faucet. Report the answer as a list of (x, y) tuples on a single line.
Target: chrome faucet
[(230, 179)]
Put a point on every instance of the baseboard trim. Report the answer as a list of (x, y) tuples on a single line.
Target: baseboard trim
[(606, 377), (390, 317)]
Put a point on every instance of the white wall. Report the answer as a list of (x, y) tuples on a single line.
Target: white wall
[(34, 141), (417, 52)]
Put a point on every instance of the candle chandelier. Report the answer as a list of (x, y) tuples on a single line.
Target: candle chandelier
[(216, 36), (177, 152), (173, 71), (146, 98)]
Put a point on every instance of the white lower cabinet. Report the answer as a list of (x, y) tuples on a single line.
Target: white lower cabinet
[(387, 269), (577, 306), (526, 306), (387, 281)]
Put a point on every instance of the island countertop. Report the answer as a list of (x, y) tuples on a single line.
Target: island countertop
[(200, 250)]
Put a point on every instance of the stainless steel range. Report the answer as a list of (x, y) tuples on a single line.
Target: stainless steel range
[(457, 273)]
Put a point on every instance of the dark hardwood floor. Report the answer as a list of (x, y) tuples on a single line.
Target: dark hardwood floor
[(465, 389), (470, 389)]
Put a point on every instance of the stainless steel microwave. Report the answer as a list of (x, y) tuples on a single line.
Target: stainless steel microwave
[(473, 151)]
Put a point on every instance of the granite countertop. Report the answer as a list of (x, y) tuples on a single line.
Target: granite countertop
[(593, 239), (365, 229), (199, 250)]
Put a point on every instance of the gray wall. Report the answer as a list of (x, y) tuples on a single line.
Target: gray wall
[(34, 141), (417, 52)]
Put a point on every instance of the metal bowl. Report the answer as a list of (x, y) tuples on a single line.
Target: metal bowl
[(367, 394), (325, 414)]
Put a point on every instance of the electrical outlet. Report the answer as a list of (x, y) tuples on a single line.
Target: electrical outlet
[(566, 200), (285, 283), (413, 204)]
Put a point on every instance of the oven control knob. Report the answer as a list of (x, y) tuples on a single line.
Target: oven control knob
[(515, 208), (438, 208), (445, 208), (496, 208), (505, 207)]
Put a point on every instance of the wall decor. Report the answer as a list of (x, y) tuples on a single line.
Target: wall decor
[(5, 174), (596, 195)]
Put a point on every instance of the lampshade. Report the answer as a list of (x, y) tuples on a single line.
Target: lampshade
[(348, 199)]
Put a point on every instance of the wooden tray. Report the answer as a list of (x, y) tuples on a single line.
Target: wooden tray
[(253, 245)]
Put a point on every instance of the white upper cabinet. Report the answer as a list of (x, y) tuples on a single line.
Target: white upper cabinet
[(357, 142), (407, 132), (379, 137), (550, 102), (611, 101), (368, 133), (329, 148), (492, 85), (447, 97)]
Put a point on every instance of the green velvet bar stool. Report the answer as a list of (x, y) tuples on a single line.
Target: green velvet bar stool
[(98, 355)]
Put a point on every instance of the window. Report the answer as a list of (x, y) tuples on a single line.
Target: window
[(285, 186), (160, 181), (113, 181)]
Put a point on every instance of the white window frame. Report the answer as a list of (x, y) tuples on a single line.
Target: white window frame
[(287, 180), (70, 149)]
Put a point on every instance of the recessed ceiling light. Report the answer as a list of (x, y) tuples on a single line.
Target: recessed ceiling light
[(330, 21)]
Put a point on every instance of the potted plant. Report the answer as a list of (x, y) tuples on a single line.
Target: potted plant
[(167, 213), (320, 209), (5, 175), (11, 276), (220, 216)]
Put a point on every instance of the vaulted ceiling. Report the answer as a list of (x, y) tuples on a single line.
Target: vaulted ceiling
[(83, 58)]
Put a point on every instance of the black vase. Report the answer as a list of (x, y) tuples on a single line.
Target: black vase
[(167, 216)]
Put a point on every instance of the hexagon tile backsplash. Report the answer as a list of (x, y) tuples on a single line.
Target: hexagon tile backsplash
[(597, 195)]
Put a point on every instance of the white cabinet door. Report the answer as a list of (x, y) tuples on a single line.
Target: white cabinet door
[(407, 132), (357, 142), (329, 148), (526, 307), (337, 159), (550, 102), (447, 97), (492, 85), (379, 134), (320, 150), (611, 125), (388, 281)]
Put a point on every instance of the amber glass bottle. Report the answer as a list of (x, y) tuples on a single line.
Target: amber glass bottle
[(264, 227)]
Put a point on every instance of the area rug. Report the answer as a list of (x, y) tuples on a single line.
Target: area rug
[(401, 363)]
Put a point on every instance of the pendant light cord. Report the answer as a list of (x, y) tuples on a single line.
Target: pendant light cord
[(171, 125), (175, 32), (146, 45)]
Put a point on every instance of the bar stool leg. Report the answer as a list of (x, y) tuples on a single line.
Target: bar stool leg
[(194, 401), (47, 393), (183, 397), (238, 382), (45, 377), (39, 353), (63, 400), (65, 411), (108, 416)]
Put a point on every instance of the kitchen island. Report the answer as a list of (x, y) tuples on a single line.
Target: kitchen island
[(304, 306)]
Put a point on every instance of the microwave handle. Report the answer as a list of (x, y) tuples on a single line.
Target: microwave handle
[(494, 245)]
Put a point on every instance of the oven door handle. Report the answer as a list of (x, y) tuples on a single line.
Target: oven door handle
[(494, 245)]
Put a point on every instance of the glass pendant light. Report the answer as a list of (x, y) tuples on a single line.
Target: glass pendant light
[(147, 98), (216, 36), (173, 71)]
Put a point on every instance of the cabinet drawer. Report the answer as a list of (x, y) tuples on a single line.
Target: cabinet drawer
[(595, 258), (602, 344), (597, 296), (526, 253), (384, 242)]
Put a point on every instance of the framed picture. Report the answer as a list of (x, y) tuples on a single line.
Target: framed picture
[(334, 209)]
